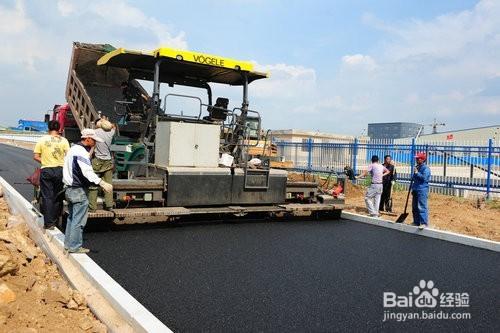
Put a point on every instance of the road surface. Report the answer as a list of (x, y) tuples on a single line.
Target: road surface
[(286, 276)]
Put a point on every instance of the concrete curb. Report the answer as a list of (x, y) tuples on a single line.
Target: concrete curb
[(428, 232), (51, 242)]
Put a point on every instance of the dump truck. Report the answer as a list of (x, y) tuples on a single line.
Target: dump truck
[(171, 163)]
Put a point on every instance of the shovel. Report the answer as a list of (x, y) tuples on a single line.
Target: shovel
[(389, 202), (403, 216)]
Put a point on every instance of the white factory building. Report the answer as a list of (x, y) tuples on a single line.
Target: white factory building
[(297, 149), (469, 134), (295, 135), (477, 135)]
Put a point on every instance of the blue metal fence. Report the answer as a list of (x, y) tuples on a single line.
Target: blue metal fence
[(466, 166)]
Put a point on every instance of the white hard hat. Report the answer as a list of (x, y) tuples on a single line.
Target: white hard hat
[(90, 133)]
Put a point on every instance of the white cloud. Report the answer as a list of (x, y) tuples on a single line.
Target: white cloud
[(119, 13), (428, 68), (66, 7), (13, 20), (447, 66), (36, 41), (26, 41), (284, 71), (41, 53), (448, 35), (359, 61), (412, 98), (455, 96), (23, 43), (285, 81)]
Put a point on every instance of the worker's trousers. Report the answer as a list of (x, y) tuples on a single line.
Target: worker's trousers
[(372, 199), (385, 199), (78, 207), (51, 193), (104, 169), (419, 207)]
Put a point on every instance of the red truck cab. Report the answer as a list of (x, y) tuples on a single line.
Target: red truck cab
[(62, 113)]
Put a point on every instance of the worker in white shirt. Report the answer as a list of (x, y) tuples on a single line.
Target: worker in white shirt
[(78, 176)]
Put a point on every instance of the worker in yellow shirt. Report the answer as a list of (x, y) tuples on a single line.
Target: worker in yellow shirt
[(49, 152)]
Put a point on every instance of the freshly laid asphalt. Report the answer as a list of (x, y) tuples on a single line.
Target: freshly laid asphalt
[(285, 276)]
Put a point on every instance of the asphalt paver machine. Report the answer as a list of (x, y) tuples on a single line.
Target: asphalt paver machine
[(171, 164)]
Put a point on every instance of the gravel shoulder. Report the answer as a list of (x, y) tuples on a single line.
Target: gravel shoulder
[(472, 217), (34, 297)]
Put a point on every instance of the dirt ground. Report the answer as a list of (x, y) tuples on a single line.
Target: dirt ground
[(465, 216), (33, 295), (471, 217)]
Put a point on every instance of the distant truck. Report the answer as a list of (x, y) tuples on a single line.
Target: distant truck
[(61, 113), (30, 126)]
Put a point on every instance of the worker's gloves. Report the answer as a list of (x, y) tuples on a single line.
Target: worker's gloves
[(107, 187)]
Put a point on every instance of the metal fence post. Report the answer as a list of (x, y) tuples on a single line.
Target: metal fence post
[(309, 153), (354, 156), (488, 175), (412, 158), (445, 162)]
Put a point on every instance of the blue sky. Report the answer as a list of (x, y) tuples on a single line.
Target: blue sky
[(335, 65)]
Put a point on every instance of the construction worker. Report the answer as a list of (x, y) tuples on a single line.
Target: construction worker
[(387, 182), (102, 162), (420, 191), (78, 175), (49, 152), (372, 196)]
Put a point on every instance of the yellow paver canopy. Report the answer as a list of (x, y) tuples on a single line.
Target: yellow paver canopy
[(181, 65)]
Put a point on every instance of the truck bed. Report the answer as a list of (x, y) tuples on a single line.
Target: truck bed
[(91, 88)]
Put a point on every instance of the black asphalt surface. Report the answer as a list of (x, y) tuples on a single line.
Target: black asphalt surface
[(317, 276), (16, 165)]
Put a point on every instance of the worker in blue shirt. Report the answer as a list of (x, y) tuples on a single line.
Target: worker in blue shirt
[(420, 192)]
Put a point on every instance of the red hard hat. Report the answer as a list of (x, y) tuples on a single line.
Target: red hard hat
[(421, 156)]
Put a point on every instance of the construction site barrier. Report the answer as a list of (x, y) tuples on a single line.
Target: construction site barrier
[(470, 166), (465, 166), (112, 304)]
